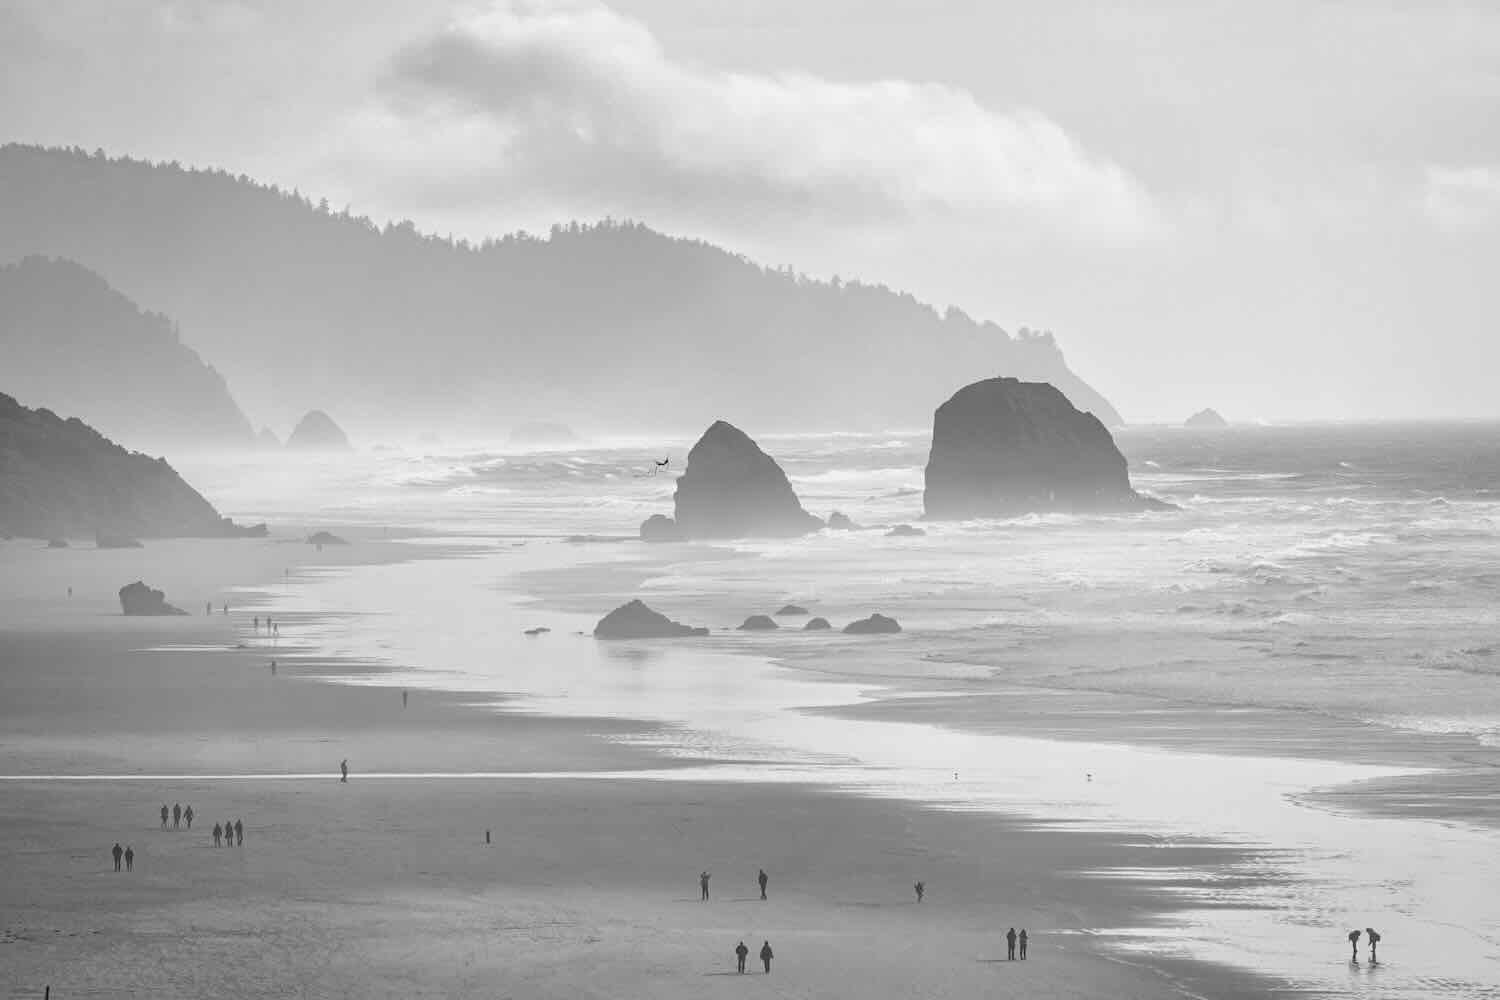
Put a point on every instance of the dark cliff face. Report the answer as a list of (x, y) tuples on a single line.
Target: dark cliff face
[(732, 489), (318, 432), (61, 477), (72, 343), (1003, 447)]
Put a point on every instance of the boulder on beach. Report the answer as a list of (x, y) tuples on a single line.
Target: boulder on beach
[(817, 625), (1003, 447), (839, 521), (732, 489), (322, 538), (660, 528), (636, 621), (139, 599), (317, 432), (791, 611), (1205, 419), (905, 531), (539, 630), (758, 623), (876, 624)]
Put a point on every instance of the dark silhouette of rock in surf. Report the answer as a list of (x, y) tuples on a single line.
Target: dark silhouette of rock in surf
[(817, 625), (876, 624), (905, 531), (318, 432), (791, 611), (732, 489), (1003, 447), (660, 528), (139, 599), (759, 623), (322, 538), (636, 621), (841, 522), (1205, 419)]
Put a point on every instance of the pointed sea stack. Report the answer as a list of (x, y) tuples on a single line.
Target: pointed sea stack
[(1206, 420), (732, 489), (1003, 447), (318, 432)]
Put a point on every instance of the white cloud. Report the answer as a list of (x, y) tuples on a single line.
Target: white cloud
[(577, 104), (1458, 198)]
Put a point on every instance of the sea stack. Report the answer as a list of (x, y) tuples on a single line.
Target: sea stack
[(636, 621), (732, 489), (1206, 419), (318, 432), (139, 599), (1003, 447)]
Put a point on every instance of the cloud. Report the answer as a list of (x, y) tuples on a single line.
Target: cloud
[(574, 103), (1456, 198)]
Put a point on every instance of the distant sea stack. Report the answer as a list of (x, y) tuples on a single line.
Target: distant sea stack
[(318, 432), (1205, 419), (139, 599), (72, 343), (61, 478), (1003, 447), (732, 489), (636, 621)]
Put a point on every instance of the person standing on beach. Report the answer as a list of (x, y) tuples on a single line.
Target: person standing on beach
[(218, 834), (766, 955), (1374, 938), (228, 834), (187, 815), (273, 668), (239, 841), (1010, 945), (703, 885), (740, 952), (208, 607), (117, 852), (762, 878), (344, 770), (1354, 946), (921, 889), (256, 619), (1022, 940), (403, 699), (163, 815), (177, 815), (129, 858)]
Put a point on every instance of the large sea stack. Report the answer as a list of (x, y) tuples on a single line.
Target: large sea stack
[(636, 621), (1003, 447), (732, 489), (318, 432), (1208, 419), (61, 478), (138, 599)]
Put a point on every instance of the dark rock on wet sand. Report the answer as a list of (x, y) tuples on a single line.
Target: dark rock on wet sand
[(323, 538), (876, 624), (636, 621), (817, 625), (758, 623), (139, 599), (905, 531)]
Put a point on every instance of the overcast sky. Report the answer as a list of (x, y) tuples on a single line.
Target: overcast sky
[(1286, 209)]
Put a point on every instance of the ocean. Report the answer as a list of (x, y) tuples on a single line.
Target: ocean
[(1302, 660)]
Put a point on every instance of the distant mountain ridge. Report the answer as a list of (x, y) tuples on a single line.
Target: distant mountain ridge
[(72, 343), (608, 325)]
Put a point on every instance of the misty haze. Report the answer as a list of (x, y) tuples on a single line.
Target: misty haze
[(621, 498)]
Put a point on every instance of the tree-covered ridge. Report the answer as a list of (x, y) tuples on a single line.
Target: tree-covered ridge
[(609, 324)]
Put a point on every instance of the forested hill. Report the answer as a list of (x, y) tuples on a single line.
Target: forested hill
[(73, 344), (609, 326)]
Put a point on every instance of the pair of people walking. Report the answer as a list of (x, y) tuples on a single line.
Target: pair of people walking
[(1011, 940), (1372, 936), (231, 834), (127, 853), (741, 952)]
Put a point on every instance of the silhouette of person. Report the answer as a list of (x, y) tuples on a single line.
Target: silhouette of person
[(1022, 940), (344, 772), (766, 955), (208, 607), (486, 836), (1373, 937), (177, 815), (163, 815), (403, 699), (921, 888), (118, 852), (239, 838), (740, 952), (129, 859), (70, 591), (218, 834), (1354, 946), (187, 816), (703, 884), (273, 668), (228, 834), (1010, 944), (226, 607), (762, 878), (257, 623)]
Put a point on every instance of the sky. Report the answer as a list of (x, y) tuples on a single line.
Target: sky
[(1286, 209)]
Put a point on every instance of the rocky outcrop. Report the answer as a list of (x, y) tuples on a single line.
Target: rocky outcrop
[(1003, 447), (841, 522), (759, 623), (636, 621), (139, 599), (905, 531), (660, 528), (61, 478), (791, 611), (322, 538), (732, 489), (318, 432), (817, 625), (876, 624), (1205, 419)]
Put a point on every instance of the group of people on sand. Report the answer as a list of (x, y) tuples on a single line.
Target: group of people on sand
[(127, 853), (230, 834), (741, 952), (271, 627), (179, 816), (1371, 935), (1011, 940)]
